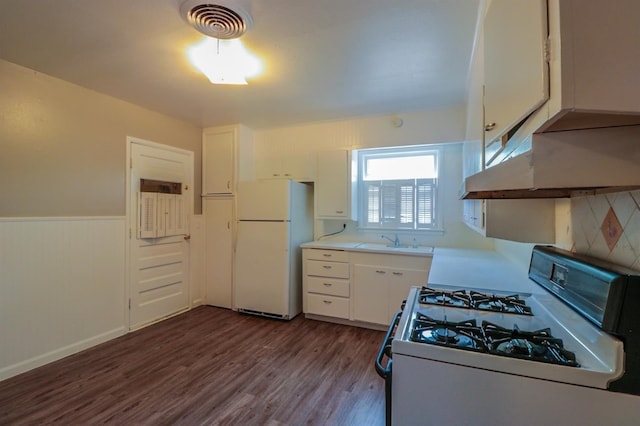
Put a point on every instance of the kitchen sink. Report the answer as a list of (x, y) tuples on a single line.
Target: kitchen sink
[(402, 249)]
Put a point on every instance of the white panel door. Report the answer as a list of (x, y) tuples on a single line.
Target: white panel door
[(262, 267), (158, 267)]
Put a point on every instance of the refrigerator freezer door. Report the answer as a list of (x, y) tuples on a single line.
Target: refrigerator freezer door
[(264, 200), (262, 268)]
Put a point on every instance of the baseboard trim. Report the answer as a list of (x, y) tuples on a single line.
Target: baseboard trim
[(56, 354)]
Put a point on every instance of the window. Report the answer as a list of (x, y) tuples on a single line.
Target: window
[(398, 188)]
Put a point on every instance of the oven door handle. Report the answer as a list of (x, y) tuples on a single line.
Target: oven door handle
[(385, 372)]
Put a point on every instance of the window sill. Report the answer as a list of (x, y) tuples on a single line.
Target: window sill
[(438, 231)]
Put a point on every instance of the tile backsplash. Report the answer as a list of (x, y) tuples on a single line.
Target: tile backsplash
[(607, 227)]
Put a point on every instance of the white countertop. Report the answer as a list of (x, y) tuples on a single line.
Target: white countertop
[(423, 251), (479, 269)]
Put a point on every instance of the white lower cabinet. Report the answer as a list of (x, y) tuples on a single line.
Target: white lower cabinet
[(326, 283), (379, 291), (358, 286)]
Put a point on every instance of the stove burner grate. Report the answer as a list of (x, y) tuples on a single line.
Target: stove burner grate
[(537, 345), (463, 335), (490, 338), (511, 304)]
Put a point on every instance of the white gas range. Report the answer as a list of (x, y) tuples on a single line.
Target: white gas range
[(471, 356)]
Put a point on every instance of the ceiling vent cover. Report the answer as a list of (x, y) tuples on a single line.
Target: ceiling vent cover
[(217, 18)]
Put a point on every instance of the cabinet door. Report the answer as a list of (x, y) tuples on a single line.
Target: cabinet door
[(473, 214), (370, 294), (401, 281), (333, 185), (516, 68), (218, 161), (218, 215), (300, 167)]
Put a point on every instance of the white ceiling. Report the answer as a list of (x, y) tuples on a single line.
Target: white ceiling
[(324, 59)]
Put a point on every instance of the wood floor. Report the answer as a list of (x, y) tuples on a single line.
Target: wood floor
[(209, 366)]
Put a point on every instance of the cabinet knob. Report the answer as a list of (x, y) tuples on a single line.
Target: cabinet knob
[(379, 271), (489, 126)]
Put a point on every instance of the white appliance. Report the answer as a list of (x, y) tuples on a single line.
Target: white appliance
[(274, 218), (470, 356)]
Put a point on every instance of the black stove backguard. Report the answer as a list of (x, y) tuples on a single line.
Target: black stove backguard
[(608, 295)]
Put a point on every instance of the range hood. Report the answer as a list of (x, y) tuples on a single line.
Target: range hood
[(563, 164)]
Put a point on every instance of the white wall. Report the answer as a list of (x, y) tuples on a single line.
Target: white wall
[(426, 127), (62, 214), (62, 287)]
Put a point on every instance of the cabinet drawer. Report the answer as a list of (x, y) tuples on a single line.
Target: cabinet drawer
[(333, 255), (327, 269), (330, 286), (330, 306)]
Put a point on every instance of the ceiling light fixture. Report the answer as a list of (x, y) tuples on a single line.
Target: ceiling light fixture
[(222, 58), (224, 61)]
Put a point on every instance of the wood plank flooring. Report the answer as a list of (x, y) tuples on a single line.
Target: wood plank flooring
[(209, 366)]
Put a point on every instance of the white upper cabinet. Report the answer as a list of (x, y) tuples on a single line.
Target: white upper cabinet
[(595, 63), (300, 167), (334, 189), (224, 149), (515, 64), (589, 61)]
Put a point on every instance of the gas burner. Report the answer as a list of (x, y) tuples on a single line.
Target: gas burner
[(457, 298), (537, 345), (512, 304), (463, 335)]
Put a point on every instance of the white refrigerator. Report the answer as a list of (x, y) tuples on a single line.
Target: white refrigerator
[(274, 217)]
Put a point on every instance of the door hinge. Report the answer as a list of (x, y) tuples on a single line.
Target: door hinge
[(547, 50), (129, 304), (129, 233)]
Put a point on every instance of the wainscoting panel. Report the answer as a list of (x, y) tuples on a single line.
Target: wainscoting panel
[(62, 287)]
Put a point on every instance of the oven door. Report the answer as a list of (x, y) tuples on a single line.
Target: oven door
[(384, 371)]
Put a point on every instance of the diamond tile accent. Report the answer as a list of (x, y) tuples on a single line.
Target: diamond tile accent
[(624, 206), (603, 226), (611, 229)]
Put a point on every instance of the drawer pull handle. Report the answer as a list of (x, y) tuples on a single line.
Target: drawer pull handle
[(327, 284), (327, 255), (328, 302), (380, 271), (326, 266), (339, 211), (397, 273)]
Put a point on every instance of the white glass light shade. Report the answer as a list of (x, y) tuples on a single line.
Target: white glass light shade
[(224, 61)]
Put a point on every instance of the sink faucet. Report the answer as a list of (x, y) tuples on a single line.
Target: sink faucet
[(396, 242)]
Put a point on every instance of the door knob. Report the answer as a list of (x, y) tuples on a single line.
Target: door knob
[(187, 237)]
